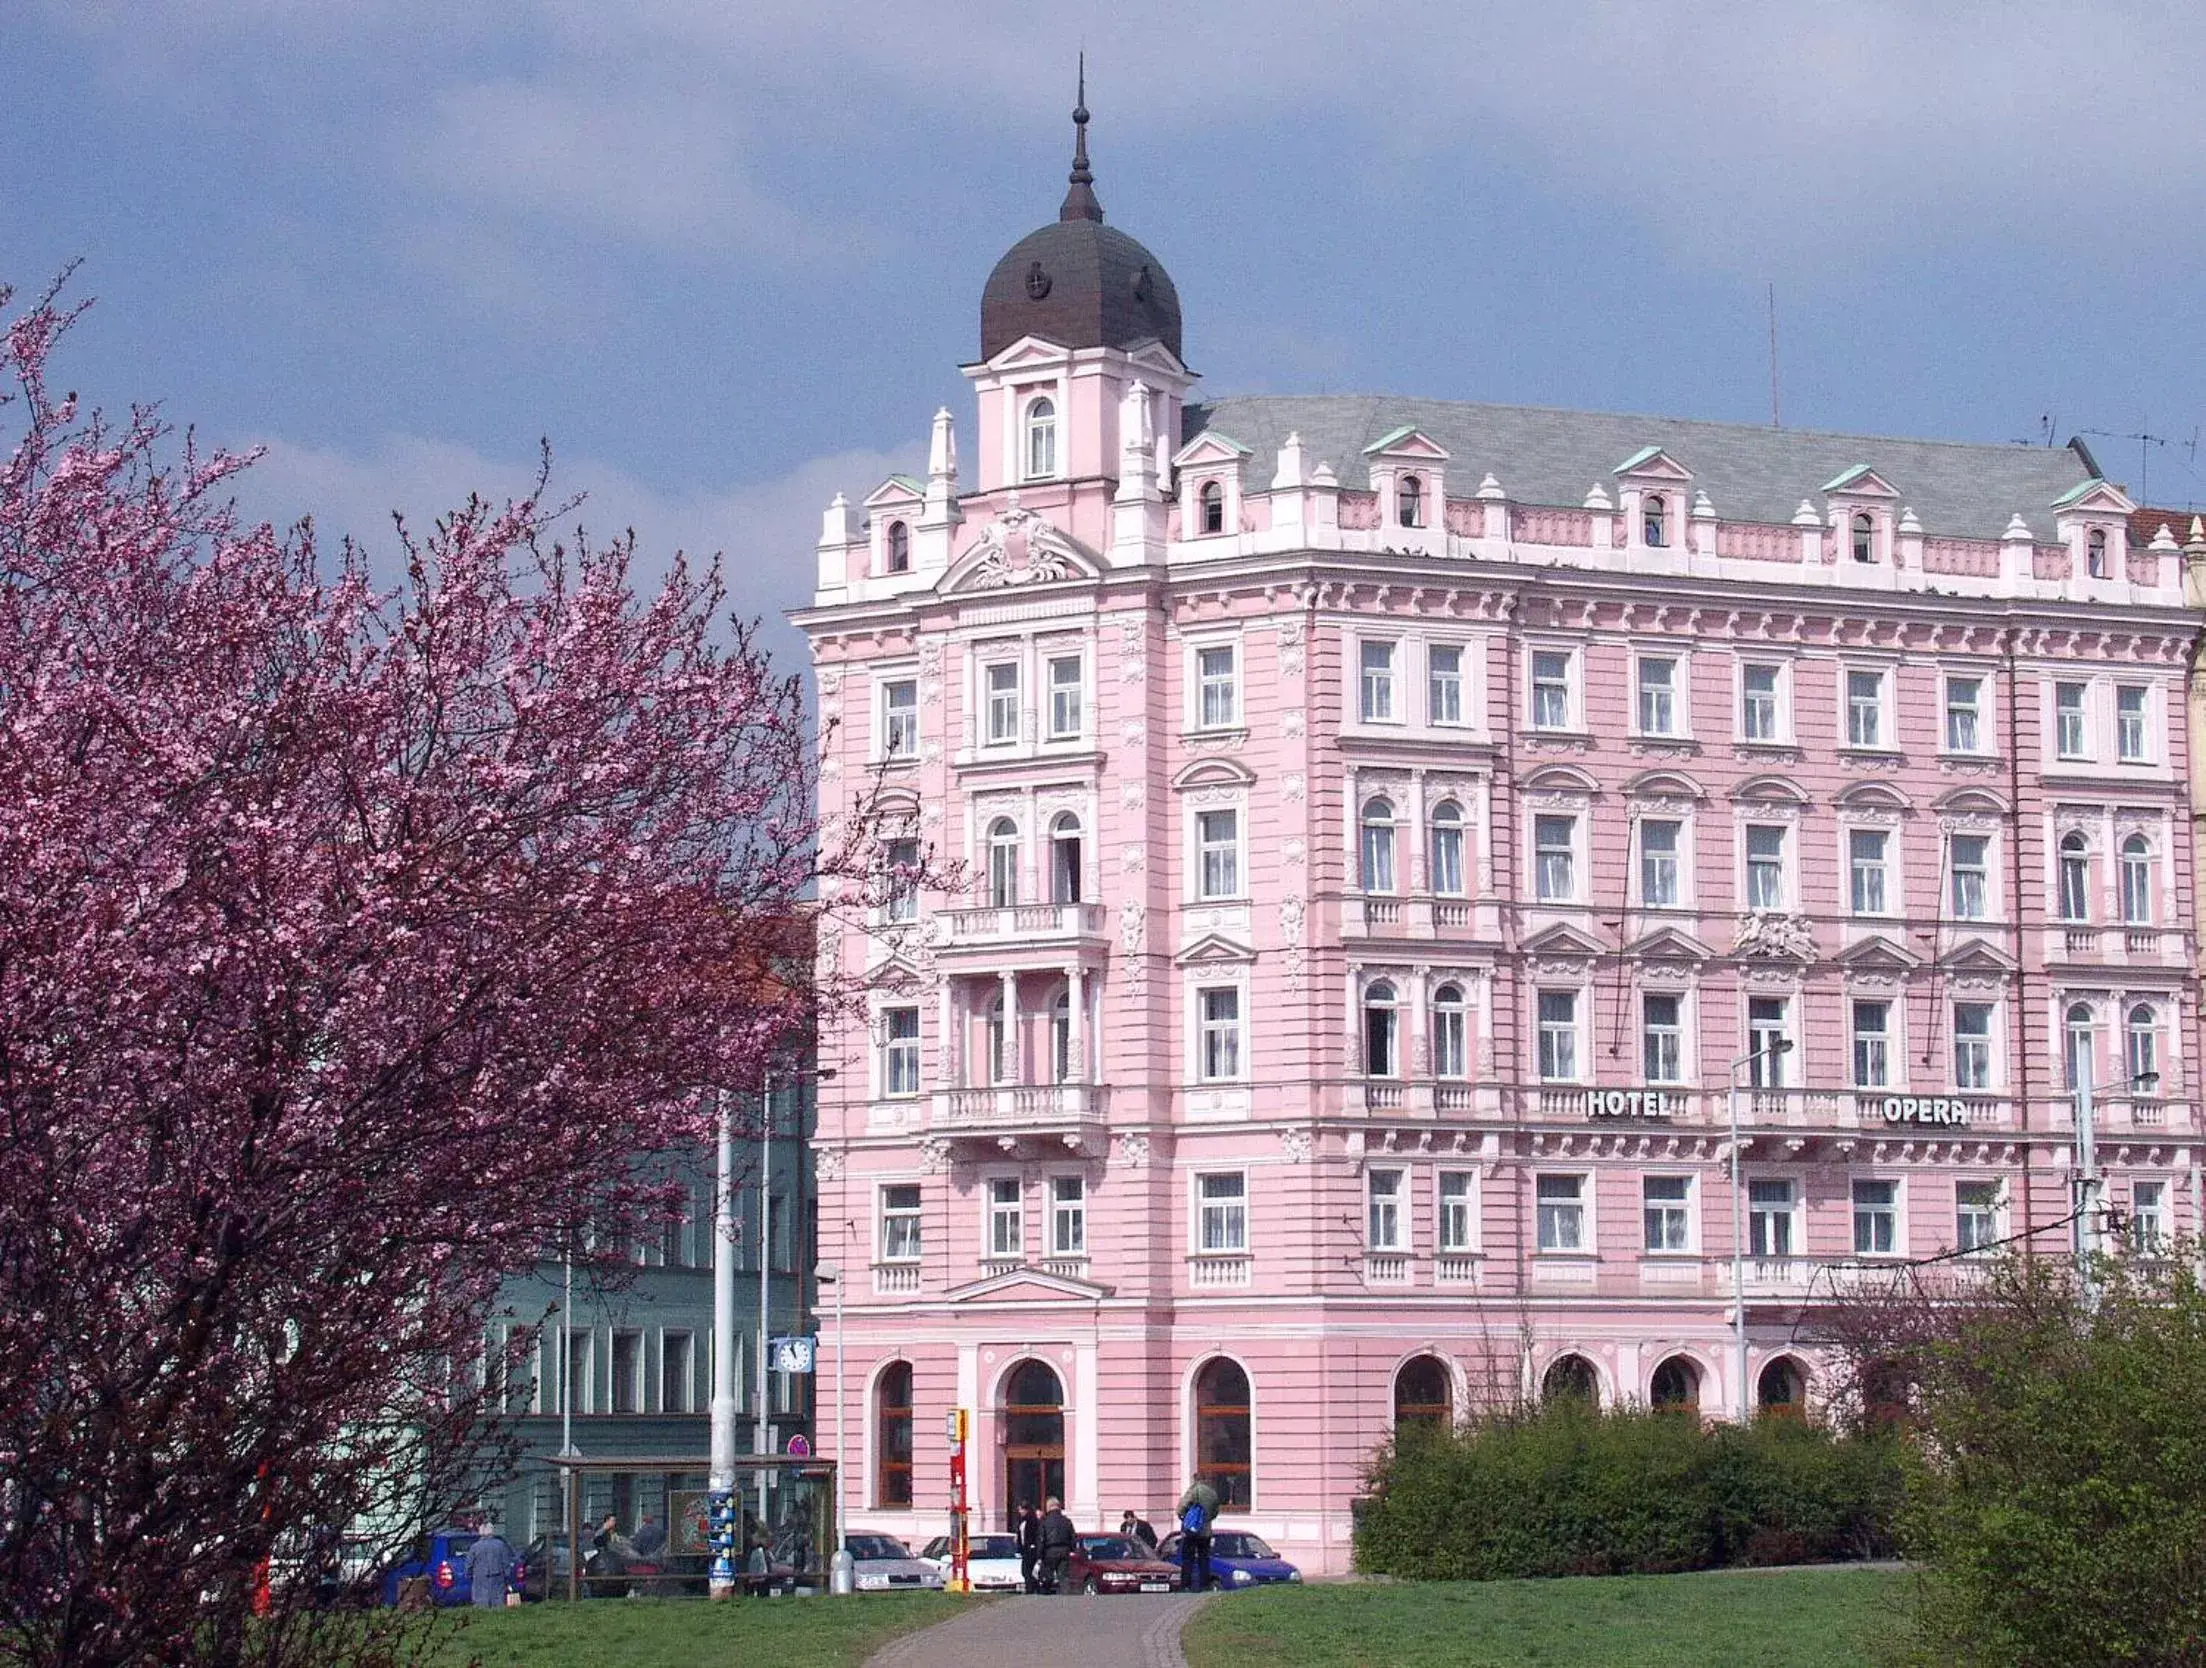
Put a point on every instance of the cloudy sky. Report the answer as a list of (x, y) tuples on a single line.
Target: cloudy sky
[(726, 255)]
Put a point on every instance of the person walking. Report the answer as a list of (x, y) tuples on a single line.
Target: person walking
[(1057, 1542), (1136, 1528), (1198, 1510), (489, 1570), (1030, 1546)]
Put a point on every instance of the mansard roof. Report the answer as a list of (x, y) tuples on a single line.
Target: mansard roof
[(1750, 472)]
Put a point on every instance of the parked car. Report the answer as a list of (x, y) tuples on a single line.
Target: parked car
[(439, 1562), (1116, 1564), (991, 1561), (882, 1563), (1237, 1559)]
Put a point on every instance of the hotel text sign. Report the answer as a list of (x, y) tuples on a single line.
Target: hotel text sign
[(1631, 1103)]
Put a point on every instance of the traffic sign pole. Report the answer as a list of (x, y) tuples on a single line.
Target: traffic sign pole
[(961, 1577)]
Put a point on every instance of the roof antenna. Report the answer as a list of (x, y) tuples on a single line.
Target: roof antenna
[(1773, 418), (1080, 203)]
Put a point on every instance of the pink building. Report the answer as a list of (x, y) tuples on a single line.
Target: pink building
[(1389, 828)]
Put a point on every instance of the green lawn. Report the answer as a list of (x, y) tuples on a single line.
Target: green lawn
[(684, 1633), (1793, 1619)]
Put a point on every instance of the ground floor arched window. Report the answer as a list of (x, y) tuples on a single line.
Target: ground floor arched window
[(1225, 1432), (1675, 1386), (1424, 1394), (892, 1416), (1570, 1377)]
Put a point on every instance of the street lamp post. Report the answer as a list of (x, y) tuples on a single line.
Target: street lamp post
[(722, 1478), (1779, 1046), (831, 1274)]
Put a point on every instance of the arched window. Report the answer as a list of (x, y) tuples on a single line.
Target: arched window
[(1224, 1432), (2083, 1042), (1424, 1395), (1782, 1390), (1064, 859), (2137, 881), (1675, 1385), (1378, 845), (1381, 1031), (1570, 1378), (1003, 864), (1865, 538), (1655, 514), (1409, 501), (1041, 440), (1447, 849), (1450, 1032), (1213, 499), (2075, 878), (1060, 1037), (892, 1436), (1000, 1049), (2094, 546), (900, 547), (1032, 1435), (2142, 1043)]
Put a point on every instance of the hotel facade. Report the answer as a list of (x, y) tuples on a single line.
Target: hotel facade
[(1383, 836)]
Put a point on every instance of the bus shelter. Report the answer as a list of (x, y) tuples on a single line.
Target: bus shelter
[(784, 1505)]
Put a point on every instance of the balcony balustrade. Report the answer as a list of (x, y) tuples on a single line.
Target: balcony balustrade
[(1455, 1268), (1018, 1109), (1214, 1273), (1039, 923), (1386, 1268), (895, 1279)]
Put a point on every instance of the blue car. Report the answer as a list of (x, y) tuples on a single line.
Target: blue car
[(1237, 1559), (440, 1562)]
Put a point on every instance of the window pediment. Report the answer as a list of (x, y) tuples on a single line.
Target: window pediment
[(1210, 448), (1862, 482), (1408, 442), (1214, 772), (1971, 802), (1561, 778), (1874, 796), (1664, 784), (1770, 790), (1878, 952), (1562, 941), (1214, 949), (897, 492), (1651, 464)]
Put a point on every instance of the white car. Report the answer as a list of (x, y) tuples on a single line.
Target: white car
[(991, 1561), (884, 1564)]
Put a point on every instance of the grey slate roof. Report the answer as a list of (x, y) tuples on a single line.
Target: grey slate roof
[(1749, 473)]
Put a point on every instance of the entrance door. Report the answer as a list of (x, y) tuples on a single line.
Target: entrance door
[(1034, 1438)]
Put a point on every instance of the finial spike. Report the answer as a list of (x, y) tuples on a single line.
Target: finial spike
[(1080, 202)]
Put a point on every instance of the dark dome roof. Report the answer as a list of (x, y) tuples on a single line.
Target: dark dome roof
[(1081, 284), (1076, 281)]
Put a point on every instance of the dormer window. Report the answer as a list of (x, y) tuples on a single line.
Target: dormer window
[(1655, 516), (1213, 499), (1865, 538), (900, 547), (1041, 440), (1409, 500), (2095, 553)]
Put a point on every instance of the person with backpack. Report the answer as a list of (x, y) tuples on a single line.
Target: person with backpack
[(1198, 1513)]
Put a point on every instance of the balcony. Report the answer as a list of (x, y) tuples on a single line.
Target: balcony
[(895, 1279), (1038, 925), (1455, 1268), (1010, 1110), (1386, 1268), (1778, 1277), (1217, 1272)]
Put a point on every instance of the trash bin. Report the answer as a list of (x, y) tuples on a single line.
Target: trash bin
[(842, 1572)]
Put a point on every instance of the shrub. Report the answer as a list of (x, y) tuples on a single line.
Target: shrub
[(1570, 1490)]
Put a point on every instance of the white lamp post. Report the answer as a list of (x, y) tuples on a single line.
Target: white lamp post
[(1780, 1046), (831, 1274), (722, 1476)]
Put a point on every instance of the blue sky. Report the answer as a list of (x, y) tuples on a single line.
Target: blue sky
[(727, 254)]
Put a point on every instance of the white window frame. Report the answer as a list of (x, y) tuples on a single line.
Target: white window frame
[(1059, 690), (1987, 884), (1871, 1054), (1543, 1056), (1572, 855), (1455, 1014), (1228, 1034), (1989, 1219), (1786, 891), (1886, 739), (2134, 872), (1068, 1216), (1978, 710), (895, 1048), (1765, 1061), (994, 701), (1204, 683), (1386, 1220), (2067, 746), (1219, 872), (2142, 729), (1548, 1235), (1231, 1214), (1769, 1211), (2151, 1224), (1035, 440), (1680, 862), (908, 1244), (1681, 1210), (2072, 896), (1680, 1068), (1378, 686), (1871, 889), (1455, 1212), (1370, 843), (1454, 682), (1452, 879), (1678, 694), (1893, 1212), (899, 898), (899, 724), (1395, 1005), (1990, 1047), (1780, 716), (1003, 1219), (1573, 714)]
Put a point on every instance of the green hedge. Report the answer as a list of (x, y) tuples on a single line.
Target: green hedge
[(1569, 1490)]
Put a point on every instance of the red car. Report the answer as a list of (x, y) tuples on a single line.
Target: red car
[(1114, 1564)]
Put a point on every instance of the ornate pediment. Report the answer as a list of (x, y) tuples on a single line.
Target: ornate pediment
[(1562, 941), (1878, 953), (1652, 463), (1214, 949), (1028, 1285), (1017, 547), (1670, 944), (1862, 482), (1773, 936), (1408, 441)]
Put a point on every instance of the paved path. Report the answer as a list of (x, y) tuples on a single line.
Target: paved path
[(1130, 1631)]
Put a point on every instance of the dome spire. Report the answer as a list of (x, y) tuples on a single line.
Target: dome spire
[(1080, 203)]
